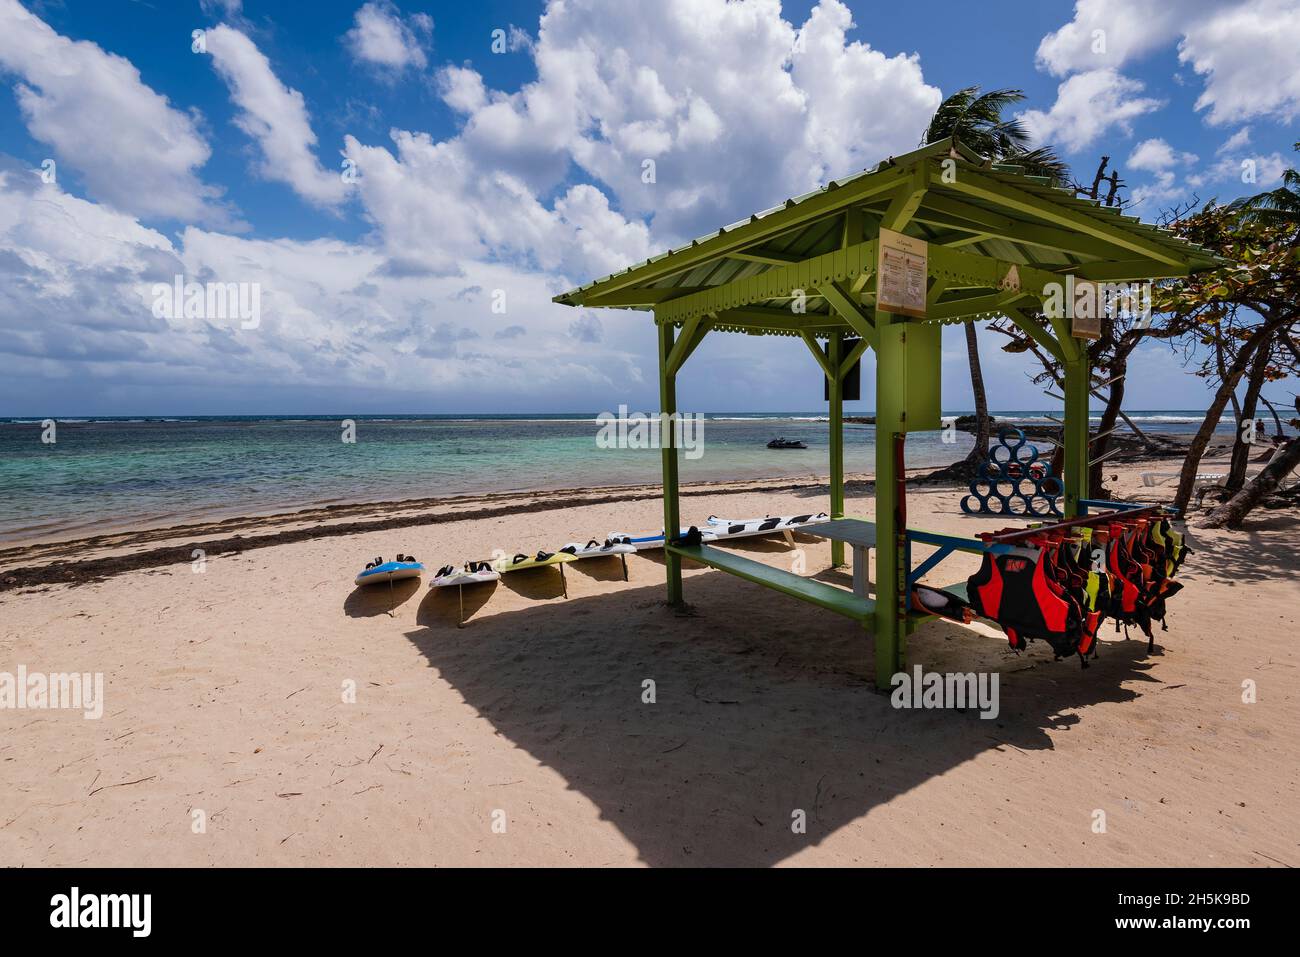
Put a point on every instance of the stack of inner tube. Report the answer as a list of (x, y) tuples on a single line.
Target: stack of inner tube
[(1013, 481)]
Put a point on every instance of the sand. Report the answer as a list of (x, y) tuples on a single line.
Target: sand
[(523, 739)]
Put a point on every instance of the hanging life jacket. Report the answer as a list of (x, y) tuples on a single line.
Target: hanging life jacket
[(1015, 592)]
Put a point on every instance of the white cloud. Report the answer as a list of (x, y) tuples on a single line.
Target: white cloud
[(1244, 50), (1244, 172), (1107, 34), (731, 127), (462, 89), (275, 116), (1088, 105), (1236, 141), (1247, 54), (380, 37), (131, 147), (76, 304), (1155, 155)]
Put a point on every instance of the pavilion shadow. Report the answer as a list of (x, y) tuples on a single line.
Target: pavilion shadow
[(763, 706)]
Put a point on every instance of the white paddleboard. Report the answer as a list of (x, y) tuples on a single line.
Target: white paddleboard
[(595, 549), (723, 528), (471, 573), (649, 542)]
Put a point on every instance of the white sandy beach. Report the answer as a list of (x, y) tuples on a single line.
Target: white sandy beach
[(224, 694)]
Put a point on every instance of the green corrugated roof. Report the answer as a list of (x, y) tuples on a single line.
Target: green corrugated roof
[(812, 224)]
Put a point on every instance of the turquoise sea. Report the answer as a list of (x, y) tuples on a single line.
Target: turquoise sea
[(106, 473)]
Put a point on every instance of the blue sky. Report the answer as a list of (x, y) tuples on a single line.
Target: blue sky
[(485, 182)]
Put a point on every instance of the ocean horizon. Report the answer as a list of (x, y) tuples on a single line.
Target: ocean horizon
[(114, 472)]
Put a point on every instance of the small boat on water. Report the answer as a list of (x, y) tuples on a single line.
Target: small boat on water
[(784, 443)]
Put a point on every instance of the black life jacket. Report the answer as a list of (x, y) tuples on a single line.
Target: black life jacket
[(1017, 593)]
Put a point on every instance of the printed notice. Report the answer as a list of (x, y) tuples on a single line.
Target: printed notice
[(901, 281), (1089, 303)]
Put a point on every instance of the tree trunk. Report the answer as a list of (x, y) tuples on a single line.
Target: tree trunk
[(1118, 367), (1227, 385), (982, 424), (1232, 512), (1241, 449)]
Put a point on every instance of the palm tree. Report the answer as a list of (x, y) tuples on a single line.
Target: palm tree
[(1279, 206), (975, 120)]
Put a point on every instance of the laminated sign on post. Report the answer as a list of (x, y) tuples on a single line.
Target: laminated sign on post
[(901, 284), (1088, 303)]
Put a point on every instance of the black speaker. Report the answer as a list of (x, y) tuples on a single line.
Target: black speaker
[(852, 381)]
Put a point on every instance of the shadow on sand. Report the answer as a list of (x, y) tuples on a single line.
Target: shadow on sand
[(367, 601), (763, 706)]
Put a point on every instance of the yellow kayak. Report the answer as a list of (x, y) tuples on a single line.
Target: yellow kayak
[(540, 560)]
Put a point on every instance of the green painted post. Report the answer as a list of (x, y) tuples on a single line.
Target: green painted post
[(835, 356), (888, 630), (672, 514), (1076, 431)]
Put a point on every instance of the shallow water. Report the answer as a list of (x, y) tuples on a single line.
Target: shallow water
[(110, 473)]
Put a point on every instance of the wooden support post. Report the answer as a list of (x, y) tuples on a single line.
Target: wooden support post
[(672, 514), (835, 383), (1077, 387), (889, 629)]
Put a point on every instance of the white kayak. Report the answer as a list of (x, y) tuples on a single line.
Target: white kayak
[(470, 573), (595, 549), (643, 543), (379, 572), (723, 528)]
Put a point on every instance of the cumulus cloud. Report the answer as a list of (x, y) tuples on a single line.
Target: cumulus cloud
[(76, 285), (540, 188), (1244, 50), (1155, 155), (274, 116), (683, 130), (1087, 106), (380, 37), (132, 148), (1247, 55)]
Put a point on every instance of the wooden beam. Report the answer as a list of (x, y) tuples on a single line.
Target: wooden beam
[(948, 211), (682, 346), (771, 257), (1026, 323), (640, 297), (815, 348), (856, 353), (779, 282), (1009, 197), (1129, 270), (848, 309), (908, 199), (973, 305)]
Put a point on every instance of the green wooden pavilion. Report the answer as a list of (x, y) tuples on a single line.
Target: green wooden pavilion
[(992, 242)]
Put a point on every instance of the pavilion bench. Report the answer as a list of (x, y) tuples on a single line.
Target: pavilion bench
[(830, 597)]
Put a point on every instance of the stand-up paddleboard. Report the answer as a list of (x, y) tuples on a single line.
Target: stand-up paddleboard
[(470, 573), (723, 528), (522, 562), (380, 571), (649, 542), (540, 560), (595, 549)]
